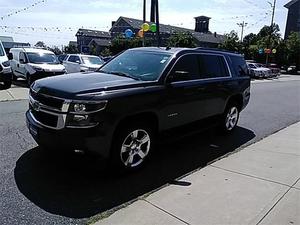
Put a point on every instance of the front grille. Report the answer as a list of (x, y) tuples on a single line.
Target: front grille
[(45, 118), (47, 100), (48, 111)]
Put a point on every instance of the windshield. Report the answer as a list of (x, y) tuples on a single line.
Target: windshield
[(42, 58), (1, 50), (92, 60), (146, 66)]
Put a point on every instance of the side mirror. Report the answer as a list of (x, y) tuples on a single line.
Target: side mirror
[(10, 56), (177, 75), (77, 61)]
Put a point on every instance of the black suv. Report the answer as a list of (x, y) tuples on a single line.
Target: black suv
[(119, 110)]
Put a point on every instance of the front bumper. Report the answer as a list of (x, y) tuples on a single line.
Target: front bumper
[(5, 75), (94, 140)]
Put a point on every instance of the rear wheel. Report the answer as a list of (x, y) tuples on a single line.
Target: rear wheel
[(132, 146), (230, 117)]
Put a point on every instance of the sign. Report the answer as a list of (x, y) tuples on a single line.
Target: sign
[(274, 51), (268, 51), (261, 51)]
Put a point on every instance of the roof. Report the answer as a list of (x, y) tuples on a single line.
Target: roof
[(33, 50), (177, 50), (6, 39), (289, 4), (201, 37), (101, 42), (14, 44), (93, 33)]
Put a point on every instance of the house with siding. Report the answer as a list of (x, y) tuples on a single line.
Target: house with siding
[(293, 20)]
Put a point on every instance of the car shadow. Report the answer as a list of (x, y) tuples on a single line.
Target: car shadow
[(79, 186), (21, 83)]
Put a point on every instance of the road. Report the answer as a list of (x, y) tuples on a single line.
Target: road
[(36, 188)]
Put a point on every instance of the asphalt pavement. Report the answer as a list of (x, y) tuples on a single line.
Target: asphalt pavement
[(36, 188)]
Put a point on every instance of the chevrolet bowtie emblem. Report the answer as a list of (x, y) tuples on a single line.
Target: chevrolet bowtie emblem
[(36, 106)]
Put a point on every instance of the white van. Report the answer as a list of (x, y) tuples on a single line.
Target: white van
[(5, 70), (33, 64)]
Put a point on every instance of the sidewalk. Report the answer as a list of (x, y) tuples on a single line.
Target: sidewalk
[(258, 185), (13, 94)]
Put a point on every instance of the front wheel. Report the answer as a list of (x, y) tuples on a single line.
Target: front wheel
[(230, 118), (132, 147)]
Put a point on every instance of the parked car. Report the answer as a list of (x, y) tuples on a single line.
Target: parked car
[(62, 58), (5, 70), (107, 58), (274, 69), (82, 63), (119, 110), (33, 64), (292, 70), (258, 71)]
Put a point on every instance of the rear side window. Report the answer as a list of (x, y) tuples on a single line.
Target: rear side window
[(186, 68), (240, 66), (212, 66), (74, 59)]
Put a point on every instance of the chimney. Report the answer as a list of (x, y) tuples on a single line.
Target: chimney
[(113, 23), (202, 24)]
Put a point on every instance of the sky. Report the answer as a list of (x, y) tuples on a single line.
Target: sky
[(55, 22)]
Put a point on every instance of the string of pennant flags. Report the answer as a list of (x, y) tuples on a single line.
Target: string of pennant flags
[(23, 9)]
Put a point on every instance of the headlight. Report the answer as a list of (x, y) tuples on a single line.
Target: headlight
[(38, 69), (6, 64), (87, 107)]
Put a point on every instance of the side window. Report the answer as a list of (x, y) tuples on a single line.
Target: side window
[(186, 68), (74, 59), (22, 57), (212, 66), (240, 66)]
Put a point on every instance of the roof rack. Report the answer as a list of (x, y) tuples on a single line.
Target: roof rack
[(215, 49)]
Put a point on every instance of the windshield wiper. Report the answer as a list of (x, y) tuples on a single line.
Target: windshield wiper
[(121, 74)]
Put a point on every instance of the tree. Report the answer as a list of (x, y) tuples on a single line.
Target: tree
[(106, 52), (293, 49), (231, 42), (181, 39), (40, 44), (119, 44), (70, 49), (56, 50)]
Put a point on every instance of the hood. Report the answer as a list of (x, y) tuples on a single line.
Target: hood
[(69, 86), (3, 58), (48, 67)]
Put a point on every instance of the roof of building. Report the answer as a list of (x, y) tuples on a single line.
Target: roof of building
[(289, 4), (6, 39), (14, 44), (100, 42), (201, 37), (93, 33), (74, 43)]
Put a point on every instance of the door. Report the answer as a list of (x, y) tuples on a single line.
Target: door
[(20, 69), (184, 97), (72, 64)]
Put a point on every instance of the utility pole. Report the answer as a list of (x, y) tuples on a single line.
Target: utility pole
[(271, 28), (155, 18), (144, 21), (242, 25)]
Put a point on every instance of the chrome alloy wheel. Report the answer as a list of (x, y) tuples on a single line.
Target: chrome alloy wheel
[(232, 118), (135, 148)]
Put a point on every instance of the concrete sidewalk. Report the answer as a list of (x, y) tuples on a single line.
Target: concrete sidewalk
[(258, 185), (13, 94)]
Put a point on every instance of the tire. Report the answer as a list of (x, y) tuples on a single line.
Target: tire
[(29, 80), (230, 118), (132, 147), (7, 84)]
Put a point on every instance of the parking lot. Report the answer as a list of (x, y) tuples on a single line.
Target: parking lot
[(39, 188)]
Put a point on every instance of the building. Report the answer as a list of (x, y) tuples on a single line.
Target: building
[(293, 20), (92, 38), (203, 37), (8, 43)]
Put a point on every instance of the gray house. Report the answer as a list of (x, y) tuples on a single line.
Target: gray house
[(8, 43), (293, 20), (202, 35), (86, 38)]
